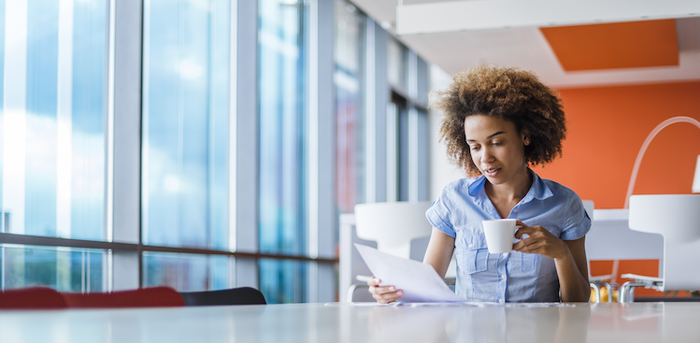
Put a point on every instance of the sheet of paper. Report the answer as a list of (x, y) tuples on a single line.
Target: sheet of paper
[(419, 282)]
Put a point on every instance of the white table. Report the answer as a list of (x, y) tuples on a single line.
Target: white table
[(636, 322)]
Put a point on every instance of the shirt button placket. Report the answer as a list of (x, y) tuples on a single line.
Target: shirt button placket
[(502, 278)]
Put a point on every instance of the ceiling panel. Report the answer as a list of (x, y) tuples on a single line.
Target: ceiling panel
[(651, 43), (527, 48)]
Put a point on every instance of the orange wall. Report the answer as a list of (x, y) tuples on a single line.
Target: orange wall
[(606, 129)]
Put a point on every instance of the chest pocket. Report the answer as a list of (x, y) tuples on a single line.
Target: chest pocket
[(537, 265), (529, 264), (475, 254)]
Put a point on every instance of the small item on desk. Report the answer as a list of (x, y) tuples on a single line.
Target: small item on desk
[(499, 234), (419, 282)]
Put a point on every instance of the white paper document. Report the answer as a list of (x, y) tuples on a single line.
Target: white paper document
[(419, 282)]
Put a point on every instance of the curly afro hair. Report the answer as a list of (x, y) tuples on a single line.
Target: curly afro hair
[(509, 93)]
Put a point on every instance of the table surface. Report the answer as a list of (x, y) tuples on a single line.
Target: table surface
[(335, 322)]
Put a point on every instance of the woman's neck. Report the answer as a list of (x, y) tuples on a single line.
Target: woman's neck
[(512, 191)]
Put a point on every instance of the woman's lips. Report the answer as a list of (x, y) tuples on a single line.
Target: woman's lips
[(491, 171)]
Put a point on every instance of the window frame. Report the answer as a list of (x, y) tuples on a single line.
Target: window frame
[(123, 243)]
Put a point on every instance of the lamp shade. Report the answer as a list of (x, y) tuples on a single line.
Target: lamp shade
[(696, 179)]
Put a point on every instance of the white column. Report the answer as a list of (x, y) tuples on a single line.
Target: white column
[(322, 221), (233, 145), (413, 127), (109, 130), (2, 271), (244, 140), (14, 126), (313, 152), (124, 164), (392, 118), (313, 130), (64, 149), (144, 119), (370, 115)]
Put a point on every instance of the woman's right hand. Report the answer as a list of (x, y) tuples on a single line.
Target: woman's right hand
[(383, 294)]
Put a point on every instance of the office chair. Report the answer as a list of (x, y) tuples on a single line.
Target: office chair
[(393, 225), (599, 281), (32, 298), (351, 263), (47, 298), (143, 297), (677, 218), (234, 296)]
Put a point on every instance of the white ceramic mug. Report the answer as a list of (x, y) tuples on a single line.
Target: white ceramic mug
[(499, 234)]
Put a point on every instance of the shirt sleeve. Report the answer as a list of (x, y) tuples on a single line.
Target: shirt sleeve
[(438, 214), (577, 223)]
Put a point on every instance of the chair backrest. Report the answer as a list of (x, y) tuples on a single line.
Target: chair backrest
[(234, 296), (392, 225), (588, 205), (32, 298), (42, 298), (610, 234), (144, 297), (351, 263), (677, 218)]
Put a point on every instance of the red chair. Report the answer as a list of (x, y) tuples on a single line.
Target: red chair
[(33, 298), (44, 298), (144, 297)]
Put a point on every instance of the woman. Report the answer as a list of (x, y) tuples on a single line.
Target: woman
[(498, 122)]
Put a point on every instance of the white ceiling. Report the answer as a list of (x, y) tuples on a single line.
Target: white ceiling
[(527, 48)]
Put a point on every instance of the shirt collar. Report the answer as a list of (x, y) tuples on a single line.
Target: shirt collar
[(538, 190)]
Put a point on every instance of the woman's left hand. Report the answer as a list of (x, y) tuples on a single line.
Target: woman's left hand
[(539, 241)]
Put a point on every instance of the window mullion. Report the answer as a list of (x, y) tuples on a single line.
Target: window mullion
[(244, 140), (126, 214)]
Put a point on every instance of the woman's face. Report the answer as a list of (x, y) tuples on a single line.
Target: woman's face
[(497, 149)]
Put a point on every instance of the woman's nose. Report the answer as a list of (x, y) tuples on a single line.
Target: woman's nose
[(486, 155)]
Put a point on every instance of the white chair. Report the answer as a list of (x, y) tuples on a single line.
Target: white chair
[(596, 281), (351, 263), (393, 225), (677, 218), (600, 280)]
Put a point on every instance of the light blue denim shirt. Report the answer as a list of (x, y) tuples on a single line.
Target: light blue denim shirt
[(514, 276)]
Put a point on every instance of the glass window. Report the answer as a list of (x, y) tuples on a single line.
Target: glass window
[(403, 151), (397, 65), (282, 82), (347, 78), (282, 144), (283, 281), (52, 119), (186, 74), (64, 269), (398, 136), (423, 146), (186, 272)]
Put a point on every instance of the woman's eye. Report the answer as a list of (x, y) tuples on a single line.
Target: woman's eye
[(497, 143), (474, 148)]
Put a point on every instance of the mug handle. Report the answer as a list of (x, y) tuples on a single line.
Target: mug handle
[(517, 227)]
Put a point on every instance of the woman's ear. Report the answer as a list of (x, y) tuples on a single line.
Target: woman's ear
[(526, 138)]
